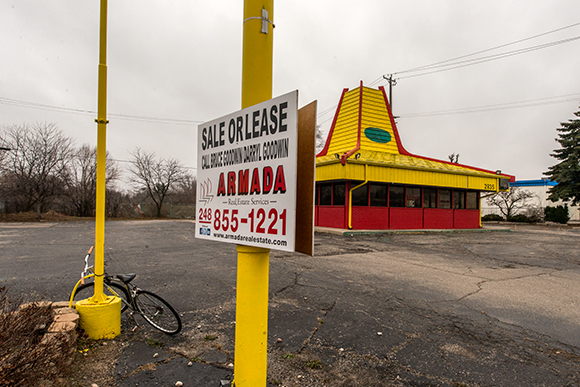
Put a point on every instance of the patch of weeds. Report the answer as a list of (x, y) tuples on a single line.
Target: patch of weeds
[(155, 343), (210, 337), (314, 364), (289, 356), (320, 321), (275, 382), (196, 359), (24, 349)]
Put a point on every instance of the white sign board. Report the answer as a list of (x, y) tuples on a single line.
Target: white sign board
[(246, 175)]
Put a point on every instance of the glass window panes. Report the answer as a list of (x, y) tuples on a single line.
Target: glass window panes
[(444, 198), (360, 196), (316, 194), (339, 194), (414, 197), (325, 194), (472, 202), (396, 196), (378, 195), (430, 197), (459, 200)]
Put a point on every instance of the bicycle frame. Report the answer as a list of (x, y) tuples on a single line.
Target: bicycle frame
[(154, 309), (89, 269), (131, 290)]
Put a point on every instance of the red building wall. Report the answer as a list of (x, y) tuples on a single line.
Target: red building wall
[(406, 218), (370, 218), (438, 218)]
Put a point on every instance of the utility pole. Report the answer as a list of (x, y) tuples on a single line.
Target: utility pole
[(392, 82)]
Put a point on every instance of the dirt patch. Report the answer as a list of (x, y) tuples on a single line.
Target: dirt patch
[(94, 362)]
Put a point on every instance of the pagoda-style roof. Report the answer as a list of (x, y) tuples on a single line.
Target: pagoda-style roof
[(364, 133)]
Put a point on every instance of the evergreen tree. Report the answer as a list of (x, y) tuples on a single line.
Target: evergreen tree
[(567, 172)]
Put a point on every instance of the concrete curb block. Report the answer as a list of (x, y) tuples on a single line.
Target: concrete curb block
[(65, 321)]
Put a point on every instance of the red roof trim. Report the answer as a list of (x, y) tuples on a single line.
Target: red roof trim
[(325, 149)]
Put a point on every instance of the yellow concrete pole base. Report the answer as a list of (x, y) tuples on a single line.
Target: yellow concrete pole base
[(100, 320)]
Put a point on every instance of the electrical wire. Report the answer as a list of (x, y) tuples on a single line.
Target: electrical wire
[(39, 106), (471, 62), (454, 63), (503, 106), (487, 50)]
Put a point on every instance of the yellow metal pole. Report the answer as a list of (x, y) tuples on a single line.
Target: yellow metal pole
[(100, 316), (99, 296), (257, 52), (251, 344)]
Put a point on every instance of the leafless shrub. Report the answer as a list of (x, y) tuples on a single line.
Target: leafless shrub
[(25, 358)]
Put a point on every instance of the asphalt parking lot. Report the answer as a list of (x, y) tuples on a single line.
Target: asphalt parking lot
[(497, 308)]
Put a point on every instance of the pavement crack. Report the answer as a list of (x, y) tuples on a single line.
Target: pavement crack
[(320, 319), (294, 283)]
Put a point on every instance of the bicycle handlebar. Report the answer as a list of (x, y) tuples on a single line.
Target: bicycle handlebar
[(86, 265)]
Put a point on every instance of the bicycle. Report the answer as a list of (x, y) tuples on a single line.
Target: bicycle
[(154, 309)]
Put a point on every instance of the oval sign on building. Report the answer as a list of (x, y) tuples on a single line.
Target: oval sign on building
[(246, 177)]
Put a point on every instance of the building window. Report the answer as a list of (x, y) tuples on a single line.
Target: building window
[(414, 197), (472, 200), (396, 196), (458, 200), (430, 197), (325, 194), (360, 196), (378, 195), (339, 194), (445, 198)]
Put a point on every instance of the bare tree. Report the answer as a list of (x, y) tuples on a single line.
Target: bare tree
[(510, 202), (81, 179), (34, 167), (155, 178), (319, 138), (454, 158), (185, 192)]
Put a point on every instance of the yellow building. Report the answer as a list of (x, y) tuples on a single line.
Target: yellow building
[(366, 179)]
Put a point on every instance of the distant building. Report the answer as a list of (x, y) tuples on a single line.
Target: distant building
[(366, 179), (541, 190)]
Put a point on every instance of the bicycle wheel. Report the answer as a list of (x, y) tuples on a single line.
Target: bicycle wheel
[(157, 312), (87, 290)]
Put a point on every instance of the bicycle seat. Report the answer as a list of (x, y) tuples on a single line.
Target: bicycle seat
[(126, 278)]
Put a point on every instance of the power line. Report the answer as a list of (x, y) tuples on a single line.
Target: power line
[(502, 106), (486, 50), (454, 63), (39, 106), (471, 62)]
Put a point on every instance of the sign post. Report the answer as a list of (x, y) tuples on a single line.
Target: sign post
[(248, 190), (251, 346)]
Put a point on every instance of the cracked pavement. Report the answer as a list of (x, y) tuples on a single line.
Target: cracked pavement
[(430, 309)]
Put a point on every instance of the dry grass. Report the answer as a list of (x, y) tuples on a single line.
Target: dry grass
[(25, 359), (50, 216)]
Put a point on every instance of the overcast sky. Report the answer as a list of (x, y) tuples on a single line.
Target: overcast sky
[(175, 64)]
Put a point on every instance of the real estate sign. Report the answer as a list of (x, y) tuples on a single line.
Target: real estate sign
[(246, 178)]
